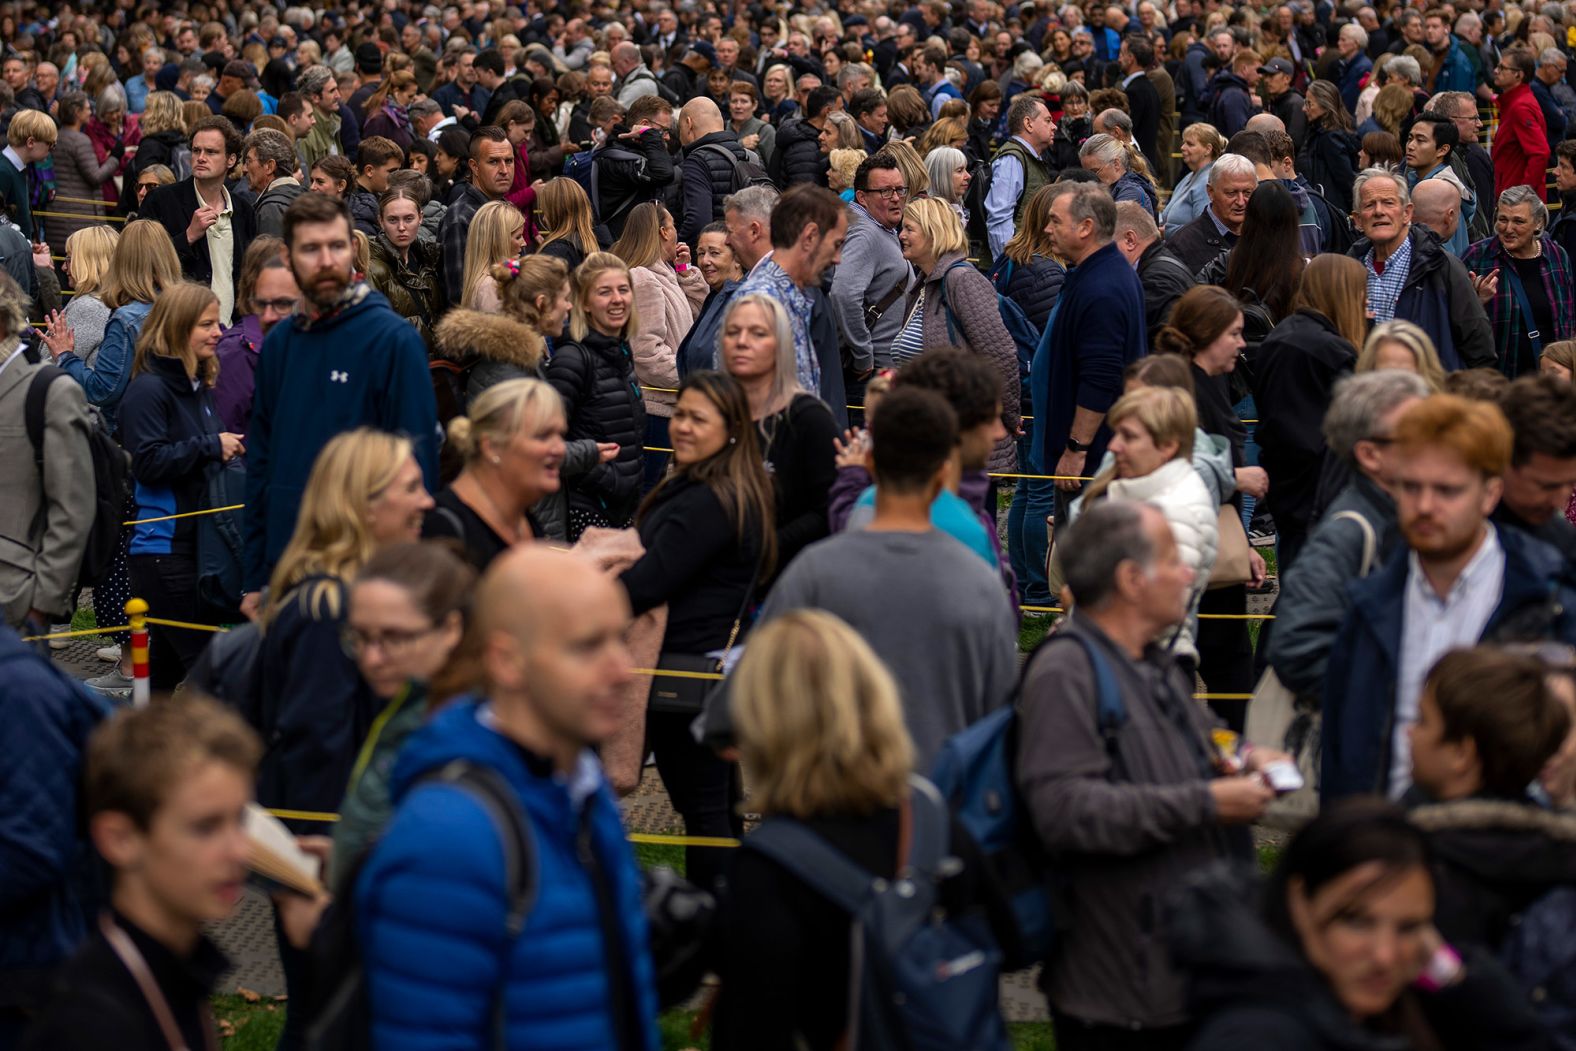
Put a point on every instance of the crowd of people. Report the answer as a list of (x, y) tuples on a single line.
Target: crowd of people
[(549, 397)]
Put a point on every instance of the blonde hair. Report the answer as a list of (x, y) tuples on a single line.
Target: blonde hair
[(331, 538), (1562, 354), (90, 250), (939, 222), (31, 124), (144, 264), (596, 264), (490, 240), (785, 378), (844, 163), (1207, 136), (521, 282), (167, 331), (565, 211), (502, 411), (1417, 343), (162, 112), (361, 250), (1167, 413), (819, 722), (641, 243), (911, 164)]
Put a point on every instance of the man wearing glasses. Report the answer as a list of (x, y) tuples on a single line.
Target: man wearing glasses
[(1477, 165), (1018, 169), (30, 138), (873, 277), (1521, 145)]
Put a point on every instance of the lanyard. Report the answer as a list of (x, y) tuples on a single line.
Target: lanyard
[(129, 955)]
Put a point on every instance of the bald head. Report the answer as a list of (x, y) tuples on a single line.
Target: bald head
[(625, 57), (1265, 122), (698, 118), (1437, 205)]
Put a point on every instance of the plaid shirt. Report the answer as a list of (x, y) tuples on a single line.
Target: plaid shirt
[(1384, 289), (452, 233), (1510, 327), (773, 280)]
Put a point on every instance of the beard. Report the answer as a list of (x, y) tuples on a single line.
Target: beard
[(322, 287), (1436, 544)]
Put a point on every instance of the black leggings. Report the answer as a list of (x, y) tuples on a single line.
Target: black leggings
[(168, 584), (704, 788)]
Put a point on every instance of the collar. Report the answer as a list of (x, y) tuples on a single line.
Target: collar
[(1489, 554), (14, 157), (354, 293), (860, 209), (224, 192), (582, 782), (1222, 228), (1131, 77), (283, 180)]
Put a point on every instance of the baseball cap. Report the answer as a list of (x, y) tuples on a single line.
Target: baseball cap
[(240, 69), (704, 49), (1277, 65)]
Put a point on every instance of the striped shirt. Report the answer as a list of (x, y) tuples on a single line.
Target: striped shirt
[(910, 342), (1386, 280)]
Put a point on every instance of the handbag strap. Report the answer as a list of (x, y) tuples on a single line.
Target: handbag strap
[(122, 945), (1519, 290), (1370, 540)]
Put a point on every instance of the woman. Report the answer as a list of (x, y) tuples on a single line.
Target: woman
[(364, 493), (707, 538), (386, 107), (163, 142), (953, 304), (405, 268), (1402, 345), (908, 112), (777, 88), (948, 169), (714, 258), (948, 131), (796, 430), (753, 132), (1392, 106), (566, 229), (548, 149), (148, 180), (840, 133), (668, 300), (1263, 268), (78, 172), (1379, 149), (1111, 161), (1341, 953), (985, 103), (842, 165), (497, 233), (594, 372), (80, 327), (1202, 145), (1206, 328), (911, 164), (408, 612), (821, 734), (1151, 450), (1559, 360), (449, 163), (242, 342), (242, 108), (332, 175), (1028, 273), (169, 427), (1293, 375), (110, 131), (1075, 127), (1328, 159), (516, 340), (1519, 271), (518, 120)]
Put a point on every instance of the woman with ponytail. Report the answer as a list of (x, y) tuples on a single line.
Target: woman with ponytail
[(1112, 162), (516, 339)]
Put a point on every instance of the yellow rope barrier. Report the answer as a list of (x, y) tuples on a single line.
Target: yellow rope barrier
[(83, 633), (184, 624), (184, 514), (1202, 616), (83, 215)]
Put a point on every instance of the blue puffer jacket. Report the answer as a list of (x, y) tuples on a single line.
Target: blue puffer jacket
[(106, 379), (432, 900), (45, 862), (1033, 287)]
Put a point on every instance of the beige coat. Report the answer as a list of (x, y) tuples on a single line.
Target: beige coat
[(666, 304)]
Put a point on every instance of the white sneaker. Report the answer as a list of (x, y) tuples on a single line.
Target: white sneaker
[(108, 653), (59, 644)]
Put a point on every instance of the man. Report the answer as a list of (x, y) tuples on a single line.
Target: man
[(1452, 70), (1563, 229), (687, 77), (851, 80), (555, 666), (1555, 96), (1134, 59), (426, 119), (1460, 579), (869, 290), (30, 138), (1193, 90), (1430, 145), (1096, 332), (376, 159), (668, 35), (1234, 100), (747, 218), (634, 79), (728, 59), (500, 89), (930, 74), (491, 167), (1232, 180), (1521, 142), (1163, 277), (952, 667), (139, 87), (236, 76), (798, 157), (1355, 65), (574, 46), (321, 91), (210, 228), (1282, 101), (712, 155), (808, 226), (463, 94), (1412, 277), (165, 797), (869, 110), (18, 73), (269, 164), (1131, 811), (1359, 431), (633, 164), (1166, 130), (1018, 169), (345, 361), (1472, 161), (1541, 410), (1436, 206), (275, 297)]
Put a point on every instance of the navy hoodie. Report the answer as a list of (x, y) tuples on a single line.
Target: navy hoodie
[(169, 426), (361, 366)]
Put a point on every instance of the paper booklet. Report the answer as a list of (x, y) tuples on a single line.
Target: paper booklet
[(272, 854)]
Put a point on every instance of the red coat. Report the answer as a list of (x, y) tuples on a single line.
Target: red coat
[(1521, 143)]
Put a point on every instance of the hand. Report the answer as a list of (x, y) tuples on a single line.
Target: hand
[(571, 147), (851, 448), (1240, 800), (41, 255), (1070, 468), (59, 336), (251, 604), (1258, 572), (607, 452), (681, 255), (231, 446), (1486, 286), (749, 142), (1254, 481), (299, 914), (538, 184), (202, 218), (460, 113), (1258, 758)]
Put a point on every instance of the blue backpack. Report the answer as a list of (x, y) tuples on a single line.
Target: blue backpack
[(976, 770), (921, 982), (1024, 335)]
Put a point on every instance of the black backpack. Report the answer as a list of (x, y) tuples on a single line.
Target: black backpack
[(341, 1016), (111, 479), (746, 172)]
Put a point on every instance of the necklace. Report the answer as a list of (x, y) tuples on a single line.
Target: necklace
[(499, 518)]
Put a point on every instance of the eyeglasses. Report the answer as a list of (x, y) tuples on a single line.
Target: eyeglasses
[(278, 306), (392, 643), (890, 193)]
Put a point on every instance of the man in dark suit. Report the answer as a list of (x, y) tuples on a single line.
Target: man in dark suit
[(1134, 59)]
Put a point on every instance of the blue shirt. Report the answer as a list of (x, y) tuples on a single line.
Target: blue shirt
[(1384, 289), (772, 280), (1001, 200), (949, 513)]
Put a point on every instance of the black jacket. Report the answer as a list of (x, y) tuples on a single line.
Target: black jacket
[(272, 205), (1070, 137), (1199, 242), (798, 156), (172, 433), (158, 148), (596, 379), (1165, 279), (627, 172), (1288, 108), (1329, 162), (173, 207), (1036, 288), (515, 88), (1438, 296), (708, 178), (1145, 103)]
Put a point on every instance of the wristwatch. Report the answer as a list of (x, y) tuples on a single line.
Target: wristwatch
[(1076, 446)]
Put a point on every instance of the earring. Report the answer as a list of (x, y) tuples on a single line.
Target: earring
[(495, 461), (732, 440)]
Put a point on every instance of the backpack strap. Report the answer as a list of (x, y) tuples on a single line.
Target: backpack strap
[(813, 861), (929, 831), (946, 304), (33, 409), (1508, 275)]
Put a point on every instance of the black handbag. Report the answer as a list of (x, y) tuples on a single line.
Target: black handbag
[(697, 674)]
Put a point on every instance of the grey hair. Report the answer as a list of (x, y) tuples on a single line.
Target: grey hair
[(1405, 67), (753, 202), (1525, 195), (423, 107), (1448, 98), (272, 145), (846, 75), (1361, 401), (940, 163), (1105, 149), (1095, 546), (202, 82), (785, 377), (1357, 32), (1089, 201), (159, 51), (1026, 65), (1368, 175), (1552, 56), (312, 80), (111, 100), (1231, 164), (1022, 111), (1115, 118)]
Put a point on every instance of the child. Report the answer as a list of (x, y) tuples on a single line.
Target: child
[(166, 787)]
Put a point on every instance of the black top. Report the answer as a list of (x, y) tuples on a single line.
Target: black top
[(798, 448), (453, 518), (1531, 273), (99, 1005)]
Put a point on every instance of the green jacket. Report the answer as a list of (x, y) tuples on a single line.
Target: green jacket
[(367, 807), (15, 197), (321, 141)]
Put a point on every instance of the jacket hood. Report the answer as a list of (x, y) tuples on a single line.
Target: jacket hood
[(1503, 842), (465, 334), (1446, 174), (456, 732)]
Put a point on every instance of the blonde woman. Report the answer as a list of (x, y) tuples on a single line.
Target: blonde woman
[(909, 162), (1402, 345), (821, 735), (80, 327), (566, 228), (842, 164), (1202, 146), (497, 233), (512, 341), (364, 493), (163, 142), (668, 294)]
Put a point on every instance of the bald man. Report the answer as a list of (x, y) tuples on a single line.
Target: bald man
[(493, 779), (1436, 204), (1264, 122), (712, 156)]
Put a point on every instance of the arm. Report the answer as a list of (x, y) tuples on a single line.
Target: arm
[(656, 360), (680, 547), (145, 432), (106, 381), (87, 163), (451, 235), (38, 798), (1314, 604), (259, 436), (814, 471), (1001, 202), (695, 290), (412, 406), (851, 481), (1468, 321), (319, 698), (658, 169), (849, 291), (68, 497), (697, 198)]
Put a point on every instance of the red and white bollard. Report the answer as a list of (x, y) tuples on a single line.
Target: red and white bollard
[(137, 617)]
